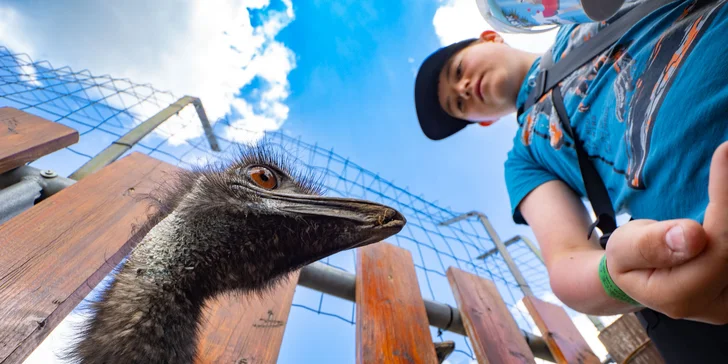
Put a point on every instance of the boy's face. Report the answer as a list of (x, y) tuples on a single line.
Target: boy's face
[(480, 83)]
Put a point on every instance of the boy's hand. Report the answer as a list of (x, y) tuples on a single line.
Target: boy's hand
[(679, 267)]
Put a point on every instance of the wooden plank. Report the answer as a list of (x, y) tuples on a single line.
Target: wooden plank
[(246, 329), (492, 330), (561, 335), (625, 337), (54, 253), (391, 321), (25, 137)]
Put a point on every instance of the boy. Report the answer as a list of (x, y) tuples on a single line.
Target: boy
[(650, 112)]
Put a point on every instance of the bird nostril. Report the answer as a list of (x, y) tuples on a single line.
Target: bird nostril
[(388, 216)]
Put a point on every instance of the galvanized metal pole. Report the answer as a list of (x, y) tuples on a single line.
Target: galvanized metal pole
[(18, 198), (595, 320), (512, 241), (342, 284), (507, 243), (537, 252), (502, 249), (128, 140), (23, 187), (51, 182), (205, 124)]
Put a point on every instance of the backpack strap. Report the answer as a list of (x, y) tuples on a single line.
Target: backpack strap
[(554, 73), (596, 191)]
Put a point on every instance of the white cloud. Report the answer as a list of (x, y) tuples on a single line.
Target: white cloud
[(252, 126), (456, 20), (209, 49), (10, 21)]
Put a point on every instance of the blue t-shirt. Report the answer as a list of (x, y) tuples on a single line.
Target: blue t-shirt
[(650, 111)]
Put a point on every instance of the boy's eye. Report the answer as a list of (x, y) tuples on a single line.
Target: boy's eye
[(458, 71)]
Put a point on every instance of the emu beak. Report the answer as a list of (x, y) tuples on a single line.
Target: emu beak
[(371, 221)]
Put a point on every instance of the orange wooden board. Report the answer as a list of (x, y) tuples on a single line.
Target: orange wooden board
[(391, 321), (561, 335), (246, 329), (493, 332), (25, 137), (53, 254), (626, 341)]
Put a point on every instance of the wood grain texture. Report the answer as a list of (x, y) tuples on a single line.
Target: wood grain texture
[(624, 336), (246, 330), (25, 137), (53, 254), (493, 332), (561, 335), (391, 321)]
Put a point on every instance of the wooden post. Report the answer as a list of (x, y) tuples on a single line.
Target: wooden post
[(53, 254), (563, 338), (626, 339), (492, 330), (246, 329), (391, 321)]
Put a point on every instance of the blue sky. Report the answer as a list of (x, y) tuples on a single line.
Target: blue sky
[(339, 74), (336, 73), (355, 93)]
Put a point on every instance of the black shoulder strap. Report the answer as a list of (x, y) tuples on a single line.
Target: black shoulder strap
[(596, 191), (552, 75)]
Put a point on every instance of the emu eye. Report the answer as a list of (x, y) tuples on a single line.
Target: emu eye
[(263, 177)]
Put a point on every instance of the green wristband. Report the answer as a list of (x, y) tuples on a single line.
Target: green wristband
[(610, 287)]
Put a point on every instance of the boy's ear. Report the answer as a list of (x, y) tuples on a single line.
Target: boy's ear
[(491, 36)]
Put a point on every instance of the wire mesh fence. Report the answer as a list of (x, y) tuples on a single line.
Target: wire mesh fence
[(103, 109)]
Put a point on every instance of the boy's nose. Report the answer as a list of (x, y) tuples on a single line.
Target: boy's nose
[(463, 88)]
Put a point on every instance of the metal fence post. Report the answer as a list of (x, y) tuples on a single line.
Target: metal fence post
[(128, 140), (502, 249), (595, 320)]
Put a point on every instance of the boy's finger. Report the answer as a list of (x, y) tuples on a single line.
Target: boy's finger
[(655, 244), (716, 214)]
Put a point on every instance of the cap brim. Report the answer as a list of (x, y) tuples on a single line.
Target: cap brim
[(434, 121)]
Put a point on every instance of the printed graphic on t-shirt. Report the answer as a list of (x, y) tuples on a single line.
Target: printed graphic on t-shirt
[(668, 55), (545, 108), (638, 93), (578, 83)]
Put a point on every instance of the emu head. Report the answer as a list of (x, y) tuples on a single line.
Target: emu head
[(252, 222)]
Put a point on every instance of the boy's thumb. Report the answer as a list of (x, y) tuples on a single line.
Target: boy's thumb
[(716, 214), (657, 244)]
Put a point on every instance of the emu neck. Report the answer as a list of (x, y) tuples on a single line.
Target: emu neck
[(151, 311)]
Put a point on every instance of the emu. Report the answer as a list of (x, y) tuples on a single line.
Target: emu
[(216, 230)]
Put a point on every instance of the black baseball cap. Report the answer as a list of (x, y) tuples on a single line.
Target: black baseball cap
[(434, 121)]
